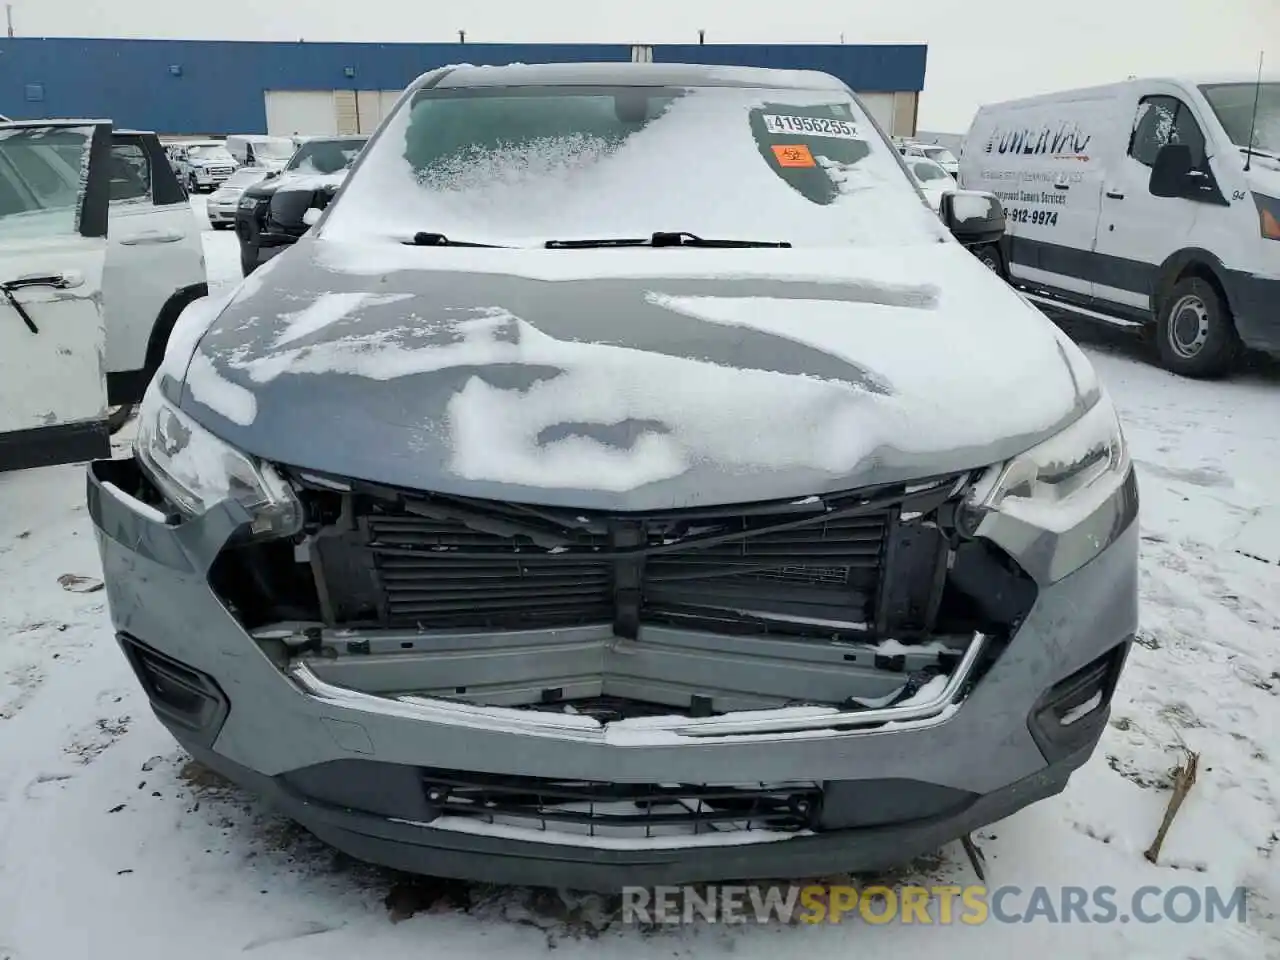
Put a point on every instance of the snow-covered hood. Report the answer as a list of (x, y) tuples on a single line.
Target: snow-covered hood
[(1264, 176), (302, 180), (630, 379)]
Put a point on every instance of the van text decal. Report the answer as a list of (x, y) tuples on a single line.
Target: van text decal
[(1064, 140)]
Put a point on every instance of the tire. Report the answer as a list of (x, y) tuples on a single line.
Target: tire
[(1195, 334), (219, 225), (118, 417), (248, 259), (989, 256)]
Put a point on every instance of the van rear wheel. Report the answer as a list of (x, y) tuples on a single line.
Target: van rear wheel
[(989, 256), (1195, 334)]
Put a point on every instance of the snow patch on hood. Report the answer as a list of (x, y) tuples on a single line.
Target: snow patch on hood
[(207, 386), (937, 379), (190, 326), (328, 309)]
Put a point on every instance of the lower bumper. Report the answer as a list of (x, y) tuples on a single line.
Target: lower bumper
[(506, 859), (361, 776), (1255, 305)]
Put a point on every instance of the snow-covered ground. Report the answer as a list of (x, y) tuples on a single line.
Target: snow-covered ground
[(112, 846)]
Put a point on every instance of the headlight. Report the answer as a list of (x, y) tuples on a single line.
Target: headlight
[(1062, 482), (197, 471), (248, 203), (1268, 215)]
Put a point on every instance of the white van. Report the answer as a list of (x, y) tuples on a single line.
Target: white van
[(258, 150), (1152, 203)]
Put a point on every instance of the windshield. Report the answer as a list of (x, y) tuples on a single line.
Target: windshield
[(276, 149), (939, 154), (1233, 104), (209, 153), (520, 165), (41, 178), (927, 171), (325, 156)]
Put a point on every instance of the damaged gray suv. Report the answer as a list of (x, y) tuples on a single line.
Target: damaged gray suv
[(628, 479)]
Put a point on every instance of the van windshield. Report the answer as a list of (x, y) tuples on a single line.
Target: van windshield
[(939, 154), (1233, 104), (276, 149)]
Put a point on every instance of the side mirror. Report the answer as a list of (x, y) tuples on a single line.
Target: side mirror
[(311, 215), (972, 216), (1171, 172), (272, 174)]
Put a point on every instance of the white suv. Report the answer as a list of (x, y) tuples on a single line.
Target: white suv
[(100, 252)]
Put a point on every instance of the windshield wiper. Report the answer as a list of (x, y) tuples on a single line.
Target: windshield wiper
[(680, 239), (424, 239)]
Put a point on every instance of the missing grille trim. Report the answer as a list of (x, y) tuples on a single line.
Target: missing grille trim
[(809, 567)]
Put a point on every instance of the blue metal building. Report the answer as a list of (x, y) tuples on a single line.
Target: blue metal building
[(221, 87)]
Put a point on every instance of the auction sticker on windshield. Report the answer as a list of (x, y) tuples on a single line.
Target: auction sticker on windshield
[(814, 126), (793, 155)]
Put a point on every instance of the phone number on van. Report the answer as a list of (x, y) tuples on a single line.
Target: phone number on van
[(1041, 218)]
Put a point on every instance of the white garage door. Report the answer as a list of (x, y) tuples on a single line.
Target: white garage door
[(880, 106), (321, 113), (308, 113), (374, 106)]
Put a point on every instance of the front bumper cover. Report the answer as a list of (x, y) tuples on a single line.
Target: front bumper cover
[(981, 761)]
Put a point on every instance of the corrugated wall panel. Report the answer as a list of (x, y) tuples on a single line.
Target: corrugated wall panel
[(215, 86), (866, 68)]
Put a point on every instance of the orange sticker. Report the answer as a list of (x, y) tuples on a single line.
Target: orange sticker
[(793, 155)]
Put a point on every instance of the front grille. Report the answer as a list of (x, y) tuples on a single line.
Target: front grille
[(620, 809), (826, 572), (445, 574), (813, 568)]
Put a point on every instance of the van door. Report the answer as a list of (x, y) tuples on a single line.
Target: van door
[(1044, 162), (53, 238), (154, 250), (1138, 231)]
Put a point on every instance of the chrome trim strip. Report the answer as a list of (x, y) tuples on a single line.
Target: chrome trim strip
[(647, 731)]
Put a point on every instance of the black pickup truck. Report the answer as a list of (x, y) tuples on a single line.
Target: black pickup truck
[(271, 212)]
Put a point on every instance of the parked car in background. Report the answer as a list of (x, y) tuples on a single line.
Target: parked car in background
[(203, 164), (939, 155), (222, 203), (1152, 204), (257, 150), (272, 212), (933, 180), (567, 511)]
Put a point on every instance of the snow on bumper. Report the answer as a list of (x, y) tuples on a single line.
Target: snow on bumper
[(360, 770)]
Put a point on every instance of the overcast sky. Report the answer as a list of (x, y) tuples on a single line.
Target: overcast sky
[(978, 51)]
